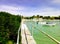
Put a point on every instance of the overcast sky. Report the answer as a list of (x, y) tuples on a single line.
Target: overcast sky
[(31, 7)]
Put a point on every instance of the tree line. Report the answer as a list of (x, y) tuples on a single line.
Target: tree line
[(43, 17), (9, 25)]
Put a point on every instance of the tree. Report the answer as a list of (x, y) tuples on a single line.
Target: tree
[(9, 25)]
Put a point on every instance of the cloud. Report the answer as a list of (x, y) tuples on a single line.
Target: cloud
[(29, 11), (55, 1), (49, 11), (11, 9), (46, 11)]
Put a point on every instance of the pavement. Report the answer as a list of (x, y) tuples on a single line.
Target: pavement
[(27, 38)]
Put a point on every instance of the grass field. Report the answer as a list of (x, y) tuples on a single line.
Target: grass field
[(41, 38)]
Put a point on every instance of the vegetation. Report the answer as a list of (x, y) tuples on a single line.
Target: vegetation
[(9, 25), (43, 17)]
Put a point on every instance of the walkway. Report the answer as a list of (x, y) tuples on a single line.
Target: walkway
[(26, 35)]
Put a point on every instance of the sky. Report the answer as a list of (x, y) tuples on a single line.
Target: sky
[(31, 7)]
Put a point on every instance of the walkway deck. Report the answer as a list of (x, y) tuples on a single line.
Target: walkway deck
[(26, 35)]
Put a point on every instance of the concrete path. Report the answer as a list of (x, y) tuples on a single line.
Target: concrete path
[(26, 35)]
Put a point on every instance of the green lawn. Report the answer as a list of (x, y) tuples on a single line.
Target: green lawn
[(41, 38)]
